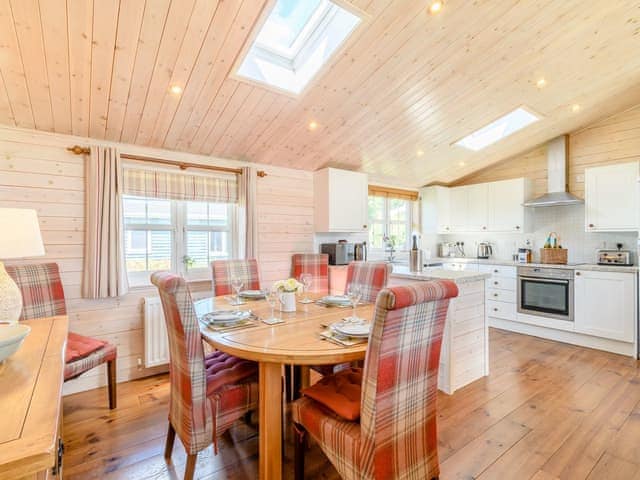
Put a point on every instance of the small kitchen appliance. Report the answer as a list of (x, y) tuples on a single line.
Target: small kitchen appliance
[(546, 292), (342, 253), (617, 257), (446, 249), (485, 250), (524, 255)]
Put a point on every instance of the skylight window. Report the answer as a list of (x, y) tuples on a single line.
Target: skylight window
[(297, 39), (499, 129)]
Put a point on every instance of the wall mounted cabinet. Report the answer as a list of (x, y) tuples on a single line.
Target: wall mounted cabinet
[(611, 198), (340, 200), (483, 207)]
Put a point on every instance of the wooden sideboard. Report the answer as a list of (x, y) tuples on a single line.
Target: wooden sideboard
[(31, 403)]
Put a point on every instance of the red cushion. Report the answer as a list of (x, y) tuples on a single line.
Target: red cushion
[(224, 369), (79, 346), (340, 393)]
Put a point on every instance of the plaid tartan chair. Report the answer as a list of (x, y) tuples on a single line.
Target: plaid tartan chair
[(316, 264), (43, 296), (208, 393), (371, 276), (225, 270), (395, 436)]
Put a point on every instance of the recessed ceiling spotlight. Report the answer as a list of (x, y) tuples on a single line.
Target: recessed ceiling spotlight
[(436, 7), (541, 83), (313, 125), (176, 89), (575, 108), (419, 153)]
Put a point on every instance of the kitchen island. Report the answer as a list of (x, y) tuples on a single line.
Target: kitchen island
[(465, 346)]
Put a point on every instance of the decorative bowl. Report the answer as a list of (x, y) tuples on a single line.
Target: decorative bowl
[(11, 337)]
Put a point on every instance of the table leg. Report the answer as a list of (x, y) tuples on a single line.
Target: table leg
[(270, 456)]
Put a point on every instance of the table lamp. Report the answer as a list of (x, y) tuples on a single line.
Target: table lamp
[(19, 237)]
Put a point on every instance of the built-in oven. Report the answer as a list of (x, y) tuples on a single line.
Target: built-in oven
[(546, 292)]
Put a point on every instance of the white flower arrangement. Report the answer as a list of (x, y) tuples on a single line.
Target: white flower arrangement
[(289, 285)]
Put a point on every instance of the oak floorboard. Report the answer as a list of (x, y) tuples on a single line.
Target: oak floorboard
[(547, 411)]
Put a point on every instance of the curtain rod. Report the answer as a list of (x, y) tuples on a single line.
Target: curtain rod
[(78, 150)]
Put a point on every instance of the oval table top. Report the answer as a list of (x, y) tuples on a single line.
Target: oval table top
[(296, 341)]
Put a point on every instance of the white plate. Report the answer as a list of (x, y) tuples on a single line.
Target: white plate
[(252, 293), (11, 338), (225, 316), (336, 299), (356, 330)]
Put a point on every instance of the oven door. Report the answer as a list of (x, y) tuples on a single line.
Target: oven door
[(546, 297)]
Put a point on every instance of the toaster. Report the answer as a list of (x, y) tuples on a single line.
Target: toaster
[(614, 257)]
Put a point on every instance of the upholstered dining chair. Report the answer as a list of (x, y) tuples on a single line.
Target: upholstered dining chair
[(225, 270), (315, 264), (371, 276), (43, 296), (380, 422), (208, 393)]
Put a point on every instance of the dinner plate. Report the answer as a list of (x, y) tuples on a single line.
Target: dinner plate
[(252, 293), (336, 299), (356, 330), (225, 317)]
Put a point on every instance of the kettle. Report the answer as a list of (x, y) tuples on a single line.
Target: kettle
[(484, 250)]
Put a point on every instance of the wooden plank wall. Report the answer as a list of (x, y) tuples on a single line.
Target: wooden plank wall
[(37, 172), (612, 140)]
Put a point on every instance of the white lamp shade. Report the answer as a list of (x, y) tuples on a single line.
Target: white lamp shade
[(20, 235)]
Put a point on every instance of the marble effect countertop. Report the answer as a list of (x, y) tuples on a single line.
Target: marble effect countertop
[(573, 266), (434, 273)]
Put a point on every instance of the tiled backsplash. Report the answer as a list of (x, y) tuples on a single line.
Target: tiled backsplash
[(567, 221)]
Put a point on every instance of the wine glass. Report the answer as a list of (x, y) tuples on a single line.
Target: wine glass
[(307, 280), (236, 284), (354, 292), (272, 297)]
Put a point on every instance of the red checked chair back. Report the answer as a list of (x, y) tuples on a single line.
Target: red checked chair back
[(315, 264), (372, 277), (396, 434), (207, 394), (225, 270), (41, 288), (43, 296)]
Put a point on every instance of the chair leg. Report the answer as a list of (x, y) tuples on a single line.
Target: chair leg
[(299, 447), (191, 466), (111, 369), (171, 436)]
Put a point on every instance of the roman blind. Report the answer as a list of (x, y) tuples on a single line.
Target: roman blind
[(164, 184), (379, 191)]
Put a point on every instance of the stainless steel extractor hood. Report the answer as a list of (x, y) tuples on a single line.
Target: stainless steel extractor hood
[(557, 194)]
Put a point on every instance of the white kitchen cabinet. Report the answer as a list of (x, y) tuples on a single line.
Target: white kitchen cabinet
[(340, 200), (477, 207), (611, 198), (504, 205), (435, 209), (459, 209), (605, 304)]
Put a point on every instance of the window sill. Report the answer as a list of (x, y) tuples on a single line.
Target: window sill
[(191, 283)]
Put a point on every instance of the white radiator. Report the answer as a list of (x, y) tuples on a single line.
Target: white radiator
[(156, 345)]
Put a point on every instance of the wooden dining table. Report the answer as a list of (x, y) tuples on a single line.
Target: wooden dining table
[(296, 341)]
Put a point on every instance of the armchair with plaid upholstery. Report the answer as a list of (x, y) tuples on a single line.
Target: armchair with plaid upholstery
[(43, 296), (393, 433), (225, 270), (208, 392)]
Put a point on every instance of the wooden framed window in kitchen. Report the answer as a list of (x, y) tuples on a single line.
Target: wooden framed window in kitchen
[(391, 213)]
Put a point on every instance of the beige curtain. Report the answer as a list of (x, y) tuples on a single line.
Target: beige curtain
[(247, 215), (104, 270)]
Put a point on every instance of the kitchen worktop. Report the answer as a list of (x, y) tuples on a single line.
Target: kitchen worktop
[(571, 266), (434, 273)]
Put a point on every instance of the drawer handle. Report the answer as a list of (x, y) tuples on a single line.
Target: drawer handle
[(591, 225), (495, 309), (495, 283), (578, 273), (496, 271), (517, 227), (495, 294)]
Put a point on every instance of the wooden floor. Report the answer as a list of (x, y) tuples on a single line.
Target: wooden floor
[(547, 411)]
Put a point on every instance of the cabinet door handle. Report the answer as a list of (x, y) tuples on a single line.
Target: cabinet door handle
[(496, 271), (578, 274), (591, 225), (495, 283), (484, 228), (517, 227), (495, 309), (364, 226), (495, 294)]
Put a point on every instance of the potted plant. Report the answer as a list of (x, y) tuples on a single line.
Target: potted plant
[(287, 292)]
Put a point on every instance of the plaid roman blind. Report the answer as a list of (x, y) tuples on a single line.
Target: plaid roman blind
[(180, 186)]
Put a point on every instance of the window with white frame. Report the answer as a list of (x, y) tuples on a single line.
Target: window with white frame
[(390, 222), (181, 236)]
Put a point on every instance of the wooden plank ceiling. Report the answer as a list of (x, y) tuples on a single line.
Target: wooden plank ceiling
[(404, 88)]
